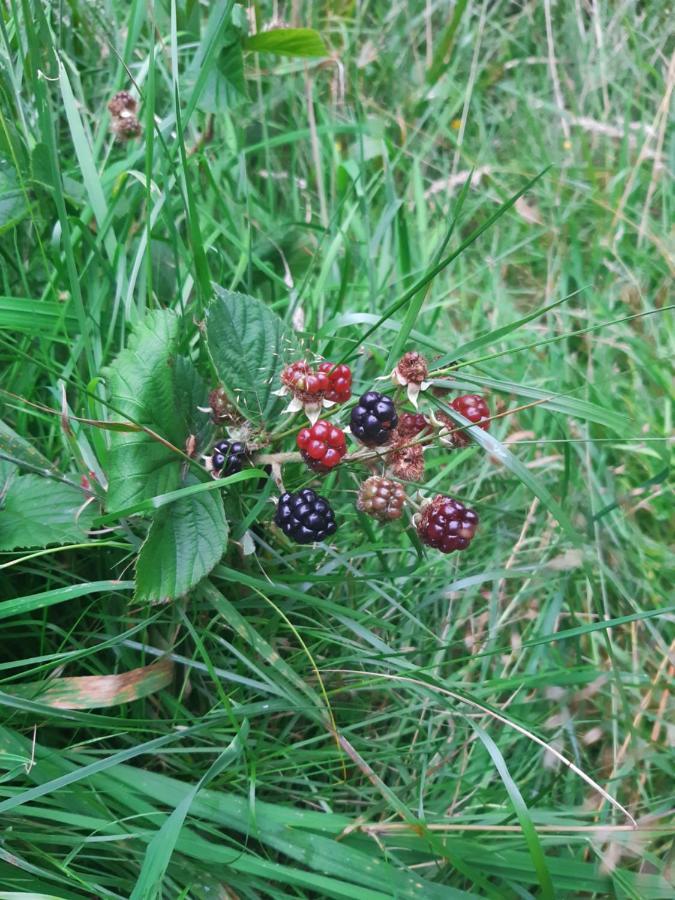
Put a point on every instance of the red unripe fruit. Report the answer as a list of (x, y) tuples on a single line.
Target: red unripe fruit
[(411, 424), (474, 408), (446, 524), (322, 446), (340, 381)]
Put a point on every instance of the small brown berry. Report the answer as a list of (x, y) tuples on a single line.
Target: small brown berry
[(126, 127), (381, 498), (410, 425), (122, 102), (223, 411)]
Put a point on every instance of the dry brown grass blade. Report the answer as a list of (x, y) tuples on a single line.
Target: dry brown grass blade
[(98, 691)]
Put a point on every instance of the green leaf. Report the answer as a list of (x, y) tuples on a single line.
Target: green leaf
[(288, 42), (185, 541), (19, 451), (13, 206), (191, 392), (19, 606), (37, 512), (491, 337), (438, 267), (523, 813), (217, 69), (246, 342), (142, 387), (38, 317), (416, 303)]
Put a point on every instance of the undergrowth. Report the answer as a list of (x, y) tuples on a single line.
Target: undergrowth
[(191, 704)]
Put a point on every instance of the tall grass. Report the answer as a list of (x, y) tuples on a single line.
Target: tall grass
[(366, 720)]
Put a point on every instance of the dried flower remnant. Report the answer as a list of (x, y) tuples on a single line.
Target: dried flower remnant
[(412, 371), (407, 462)]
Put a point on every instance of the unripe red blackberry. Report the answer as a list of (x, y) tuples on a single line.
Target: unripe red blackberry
[(381, 498), (340, 378), (474, 408), (447, 524), (322, 446), (303, 381)]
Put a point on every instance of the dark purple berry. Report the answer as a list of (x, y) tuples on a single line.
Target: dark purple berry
[(373, 419), (447, 524), (305, 517), (228, 457)]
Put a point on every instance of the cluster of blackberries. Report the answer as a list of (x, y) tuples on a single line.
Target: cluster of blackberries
[(304, 516)]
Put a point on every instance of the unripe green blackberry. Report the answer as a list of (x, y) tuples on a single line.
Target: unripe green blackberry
[(381, 498)]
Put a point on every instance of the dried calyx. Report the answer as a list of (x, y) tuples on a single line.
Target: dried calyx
[(412, 371)]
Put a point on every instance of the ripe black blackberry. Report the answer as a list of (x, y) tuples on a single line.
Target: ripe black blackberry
[(305, 517), (446, 524), (373, 419), (228, 457)]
